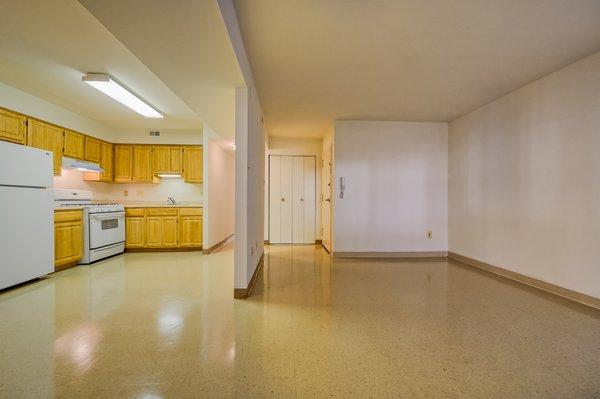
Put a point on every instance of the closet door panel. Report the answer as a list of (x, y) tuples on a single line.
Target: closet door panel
[(298, 200), (286, 199), (274, 199), (309, 216)]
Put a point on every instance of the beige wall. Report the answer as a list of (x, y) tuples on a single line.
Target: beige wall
[(396, 186), (524, 178), (168, 187), (220, 192), (294, 146)]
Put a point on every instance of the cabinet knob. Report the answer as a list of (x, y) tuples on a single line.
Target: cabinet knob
[(283, 200)]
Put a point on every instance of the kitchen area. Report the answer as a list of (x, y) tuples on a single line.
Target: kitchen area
[(70, 198)]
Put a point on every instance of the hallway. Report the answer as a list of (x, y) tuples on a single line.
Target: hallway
[(166, 326)]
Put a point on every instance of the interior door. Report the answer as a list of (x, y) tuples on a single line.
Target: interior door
[(286, 187), (309, 203), (298, 200), (292, 201), (326, 199)]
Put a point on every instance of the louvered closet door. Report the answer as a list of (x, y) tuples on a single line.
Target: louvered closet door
[(298, 204), (309, 233), (291, 199), (286, 187)]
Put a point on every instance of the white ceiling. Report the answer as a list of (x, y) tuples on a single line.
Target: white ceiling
[(316, 61), (46, 46), (185, 43)]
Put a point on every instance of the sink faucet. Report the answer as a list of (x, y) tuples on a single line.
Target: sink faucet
[(171, 200)]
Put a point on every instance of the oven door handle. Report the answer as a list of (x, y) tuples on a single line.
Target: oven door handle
[(108, 216)]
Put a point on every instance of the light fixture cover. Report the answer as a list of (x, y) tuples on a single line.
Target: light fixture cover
[(169, 174), (107, 85)]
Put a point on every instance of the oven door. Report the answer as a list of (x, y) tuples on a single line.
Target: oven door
[(106, 229)]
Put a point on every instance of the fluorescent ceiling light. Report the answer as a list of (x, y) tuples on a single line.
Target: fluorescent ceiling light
[(116, 91), (169, 174)]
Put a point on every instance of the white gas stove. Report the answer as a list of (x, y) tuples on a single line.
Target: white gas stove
[(103, 223)]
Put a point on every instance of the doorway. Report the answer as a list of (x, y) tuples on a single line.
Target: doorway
[(326, 199), (292, 216)]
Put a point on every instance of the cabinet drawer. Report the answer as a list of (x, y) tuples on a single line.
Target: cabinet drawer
[(161, 211), (134, 211), (190, 211), (68, 216)]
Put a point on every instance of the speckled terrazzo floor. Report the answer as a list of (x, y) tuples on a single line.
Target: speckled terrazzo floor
[(160, 325)]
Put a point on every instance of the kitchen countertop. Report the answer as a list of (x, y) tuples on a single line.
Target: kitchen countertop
[(68, 208), (149, 204)]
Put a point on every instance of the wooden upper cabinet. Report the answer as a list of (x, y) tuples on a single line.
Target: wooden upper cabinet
[(123, 163), (13, 127), (176, 159), (192, 164), (74, 145), (160, 159), (47, 137), (106, 163), (93, 149), (142, 163), (167, 159)]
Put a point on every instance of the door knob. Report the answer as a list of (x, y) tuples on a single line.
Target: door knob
[(328, 199), (301, 199), (283, 200)]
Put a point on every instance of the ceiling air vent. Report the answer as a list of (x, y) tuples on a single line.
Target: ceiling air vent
[(155, 133)]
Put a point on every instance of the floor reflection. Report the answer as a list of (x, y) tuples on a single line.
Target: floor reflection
[(161, 325)]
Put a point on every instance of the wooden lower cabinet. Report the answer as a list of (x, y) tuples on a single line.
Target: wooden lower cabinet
[(164, 228), (135, 232), (190, 231), (68, 238)]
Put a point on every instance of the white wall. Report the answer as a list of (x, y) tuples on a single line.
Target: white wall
[(167, 136), (396, 186), (220, 192), (524, 176), (294, 146), (249, 186), (20, 101)]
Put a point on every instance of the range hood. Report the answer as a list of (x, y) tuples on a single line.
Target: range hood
[(71, 163)]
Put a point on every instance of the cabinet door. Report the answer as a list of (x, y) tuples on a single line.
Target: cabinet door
[(13, 127), (93, 149), (175, 159), (135, 232), (192, 164), (154, 232), (169, 231), (142, 163), (190, 231), (160, 159), (106, 162), (123, 163), (74, 145), (47, 137), (68, 242)]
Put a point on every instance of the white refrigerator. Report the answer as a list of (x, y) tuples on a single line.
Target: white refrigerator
[(26, 214)]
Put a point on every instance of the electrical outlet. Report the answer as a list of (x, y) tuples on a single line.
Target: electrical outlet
[(429, 234), (140, 193), (125, 193)]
